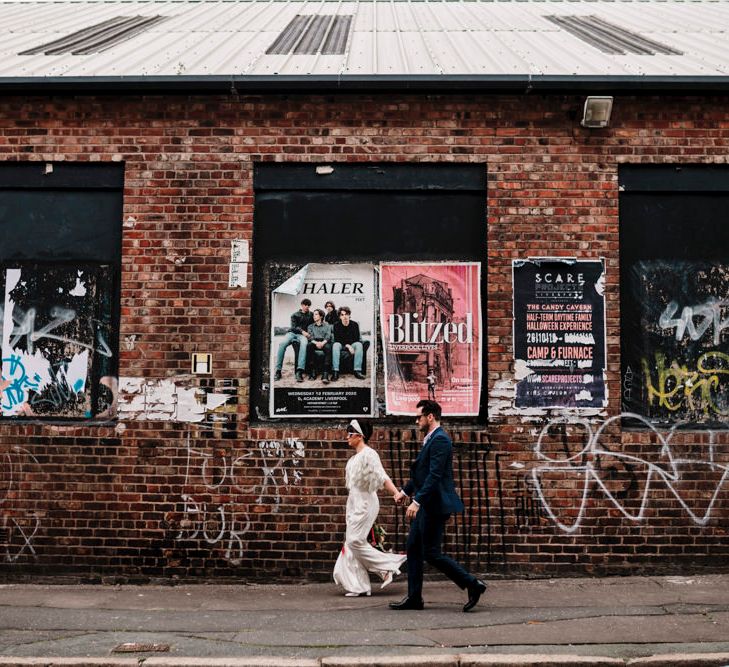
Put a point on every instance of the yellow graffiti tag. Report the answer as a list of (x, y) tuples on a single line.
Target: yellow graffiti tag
[(679, 386)]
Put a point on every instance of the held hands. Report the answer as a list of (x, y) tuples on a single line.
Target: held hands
[(399, 497), (413, 507), (412, 510)]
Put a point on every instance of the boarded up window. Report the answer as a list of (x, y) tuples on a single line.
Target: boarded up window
[(674, 274), (59, 268), (306, 214)]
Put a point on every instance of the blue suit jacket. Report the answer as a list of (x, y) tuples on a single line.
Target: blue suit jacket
[(431, 476)]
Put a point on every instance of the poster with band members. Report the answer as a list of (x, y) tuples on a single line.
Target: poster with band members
[(322, 357), (559, 333), (430, 315)]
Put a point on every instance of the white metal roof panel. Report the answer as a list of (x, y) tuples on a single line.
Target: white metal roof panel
[(388, 38)]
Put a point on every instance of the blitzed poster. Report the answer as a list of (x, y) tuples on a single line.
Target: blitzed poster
[(559, 333), (431, 335), (322, 360)]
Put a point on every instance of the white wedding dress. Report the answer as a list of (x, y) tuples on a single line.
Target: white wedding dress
[(364, 476)]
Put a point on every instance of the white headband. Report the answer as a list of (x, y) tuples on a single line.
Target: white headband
[(357, 428)]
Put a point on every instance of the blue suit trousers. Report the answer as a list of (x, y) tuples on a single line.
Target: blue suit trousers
[(424, 544)]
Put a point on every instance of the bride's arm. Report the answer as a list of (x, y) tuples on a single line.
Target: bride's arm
[(390, 487)]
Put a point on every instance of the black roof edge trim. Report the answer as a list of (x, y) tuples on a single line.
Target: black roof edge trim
[(364, 83)]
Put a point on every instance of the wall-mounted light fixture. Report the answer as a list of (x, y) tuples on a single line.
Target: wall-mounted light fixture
[(597, 111)]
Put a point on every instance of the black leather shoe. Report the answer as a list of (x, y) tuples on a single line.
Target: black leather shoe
[(359, 375), (408, 603), (299, 376), (277, 375), (335, 376), (475, 591)]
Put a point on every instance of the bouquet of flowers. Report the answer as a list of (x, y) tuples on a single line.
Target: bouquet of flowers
[(377, 537)]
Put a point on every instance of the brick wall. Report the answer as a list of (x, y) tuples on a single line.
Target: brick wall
[(227, 498)]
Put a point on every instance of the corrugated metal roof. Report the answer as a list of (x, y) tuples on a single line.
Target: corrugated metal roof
[(389, 39), (97, 38)]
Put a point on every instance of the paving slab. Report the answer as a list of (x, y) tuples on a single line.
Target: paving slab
[(598, 630)]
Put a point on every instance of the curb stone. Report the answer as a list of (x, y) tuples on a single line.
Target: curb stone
[(455, 660), (259, 661), (682, 660), (68, 662), (392, 661), (537, 660)]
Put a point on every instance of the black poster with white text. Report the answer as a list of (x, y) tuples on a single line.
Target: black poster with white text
[(559, 333)]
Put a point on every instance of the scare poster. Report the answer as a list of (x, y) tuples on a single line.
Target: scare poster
[(559, 333), (431, 335), (322, 357)]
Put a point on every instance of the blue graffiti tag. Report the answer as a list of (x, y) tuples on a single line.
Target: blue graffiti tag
[(17, 382)]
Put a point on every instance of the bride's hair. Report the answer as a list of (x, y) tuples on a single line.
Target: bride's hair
[(366, 430)]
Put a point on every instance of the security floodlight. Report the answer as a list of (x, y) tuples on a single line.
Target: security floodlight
[(597, 111)]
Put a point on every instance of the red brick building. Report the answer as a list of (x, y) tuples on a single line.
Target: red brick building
[(145, 206)]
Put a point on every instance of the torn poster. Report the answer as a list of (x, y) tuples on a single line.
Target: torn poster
[(322, 357), (238, 273)]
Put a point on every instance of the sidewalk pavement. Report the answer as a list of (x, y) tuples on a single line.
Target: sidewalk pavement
[(614, 621)]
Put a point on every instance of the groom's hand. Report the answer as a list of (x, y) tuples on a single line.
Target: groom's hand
[(399, 496), (412, 510)]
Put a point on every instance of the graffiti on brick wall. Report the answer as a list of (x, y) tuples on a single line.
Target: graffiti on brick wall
[(222, 490), (675, 342), (580, 466), (529, 512), (674, 386), (18, 526), (56, 342), (477, 536)]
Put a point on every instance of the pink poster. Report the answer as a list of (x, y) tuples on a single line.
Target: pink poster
[(431, 335)]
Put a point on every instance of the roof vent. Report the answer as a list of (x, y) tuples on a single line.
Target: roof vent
[(97, 38), (611, 38), (307, 34)]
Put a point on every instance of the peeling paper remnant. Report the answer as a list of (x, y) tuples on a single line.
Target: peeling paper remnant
[(79, 289), (293, 284), (165, 400), (190, 405)]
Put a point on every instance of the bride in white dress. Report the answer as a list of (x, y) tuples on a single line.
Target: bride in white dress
[(364, 477)]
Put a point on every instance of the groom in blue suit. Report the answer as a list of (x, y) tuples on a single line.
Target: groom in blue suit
[(433, 499)]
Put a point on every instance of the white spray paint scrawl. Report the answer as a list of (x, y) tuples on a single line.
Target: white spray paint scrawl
[(666, 472)]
